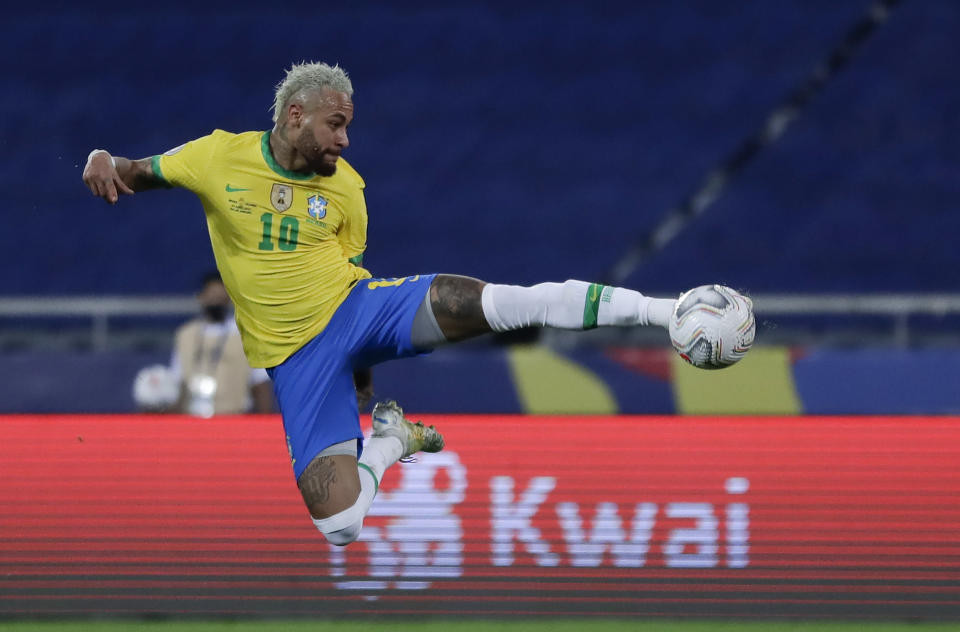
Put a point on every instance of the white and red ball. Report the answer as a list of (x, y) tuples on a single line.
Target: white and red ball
[(712, 326)]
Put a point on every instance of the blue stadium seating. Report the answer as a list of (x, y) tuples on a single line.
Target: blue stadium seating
[(516, 142)]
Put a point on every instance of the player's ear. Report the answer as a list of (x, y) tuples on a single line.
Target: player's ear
[(295, 114)]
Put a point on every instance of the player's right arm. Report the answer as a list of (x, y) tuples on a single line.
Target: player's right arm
[(107, 176), (183, 166)]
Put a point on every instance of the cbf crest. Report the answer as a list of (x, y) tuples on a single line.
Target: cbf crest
[(316, 207), (281, 196)]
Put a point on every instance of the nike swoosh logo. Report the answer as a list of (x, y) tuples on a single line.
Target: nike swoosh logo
[(231, 189)]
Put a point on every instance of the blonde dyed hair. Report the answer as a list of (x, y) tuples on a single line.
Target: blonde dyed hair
[(309, 76)]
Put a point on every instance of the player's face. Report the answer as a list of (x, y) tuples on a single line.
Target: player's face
[(323, 131)]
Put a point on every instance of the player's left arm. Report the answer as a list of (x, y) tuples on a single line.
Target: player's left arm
[(262, 396), (353, 234), (261, 392), (353, 239)]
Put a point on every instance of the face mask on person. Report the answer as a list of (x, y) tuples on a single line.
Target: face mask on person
[(216, 312)]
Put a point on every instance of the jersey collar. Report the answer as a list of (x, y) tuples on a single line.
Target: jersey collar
[(272, 163)]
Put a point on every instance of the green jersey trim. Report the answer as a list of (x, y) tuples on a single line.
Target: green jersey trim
[(276, 168), (357, 260), (157, 172)]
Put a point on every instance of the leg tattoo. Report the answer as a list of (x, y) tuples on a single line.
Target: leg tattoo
[(316, 481), (457, 306)]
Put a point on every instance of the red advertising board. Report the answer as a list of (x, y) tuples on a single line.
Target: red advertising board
[(522, 515)]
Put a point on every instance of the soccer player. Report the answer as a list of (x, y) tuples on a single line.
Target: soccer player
[(288, 223)]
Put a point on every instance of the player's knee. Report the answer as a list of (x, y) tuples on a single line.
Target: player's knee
[(345, 536), (341, 528)]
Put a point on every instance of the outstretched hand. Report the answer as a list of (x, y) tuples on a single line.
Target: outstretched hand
[(101, 177)]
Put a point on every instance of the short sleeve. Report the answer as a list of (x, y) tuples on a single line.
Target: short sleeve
[(183, 166), (353, 235)]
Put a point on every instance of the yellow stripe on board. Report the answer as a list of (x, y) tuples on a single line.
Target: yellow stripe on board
[(760, 384), (550, 384)]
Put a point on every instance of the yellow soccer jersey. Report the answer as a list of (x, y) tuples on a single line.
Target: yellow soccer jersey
[(288, 245)]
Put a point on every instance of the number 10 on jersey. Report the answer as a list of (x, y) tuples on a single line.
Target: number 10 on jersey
[(287, 235)]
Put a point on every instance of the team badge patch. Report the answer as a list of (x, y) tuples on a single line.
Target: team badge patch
[(281, 196), (316, 207)]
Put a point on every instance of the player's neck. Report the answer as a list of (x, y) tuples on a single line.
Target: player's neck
[(284, 153)]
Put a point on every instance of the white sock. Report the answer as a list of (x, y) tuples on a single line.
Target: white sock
[(571, 305), (378, 454)]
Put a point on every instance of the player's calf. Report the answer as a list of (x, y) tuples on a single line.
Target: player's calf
[(465, 307), (339, 490), (570, 305)]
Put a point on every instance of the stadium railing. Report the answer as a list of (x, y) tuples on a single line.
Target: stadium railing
[(893, 319)]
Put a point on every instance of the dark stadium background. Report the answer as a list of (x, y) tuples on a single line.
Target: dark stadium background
[(517, 142), (512, 141)]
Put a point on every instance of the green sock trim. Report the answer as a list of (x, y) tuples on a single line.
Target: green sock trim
[(591, 307), (376, 483)]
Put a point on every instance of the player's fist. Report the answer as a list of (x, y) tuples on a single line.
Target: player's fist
[(101, 177)]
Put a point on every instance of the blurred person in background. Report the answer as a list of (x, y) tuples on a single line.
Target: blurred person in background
[(209, 365), (208, 373)]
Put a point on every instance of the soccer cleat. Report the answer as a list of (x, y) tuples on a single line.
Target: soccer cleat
[(388, 421)]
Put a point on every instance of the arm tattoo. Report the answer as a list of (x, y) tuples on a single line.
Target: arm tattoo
[(316, 480), (141, 181), (142, 176)]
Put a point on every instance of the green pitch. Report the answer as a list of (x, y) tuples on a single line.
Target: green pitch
[(514, 625)]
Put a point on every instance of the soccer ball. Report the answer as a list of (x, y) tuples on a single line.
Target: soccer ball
[(712, 326)]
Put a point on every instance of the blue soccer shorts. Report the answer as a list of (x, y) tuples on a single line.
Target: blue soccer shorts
[(314, 386)]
